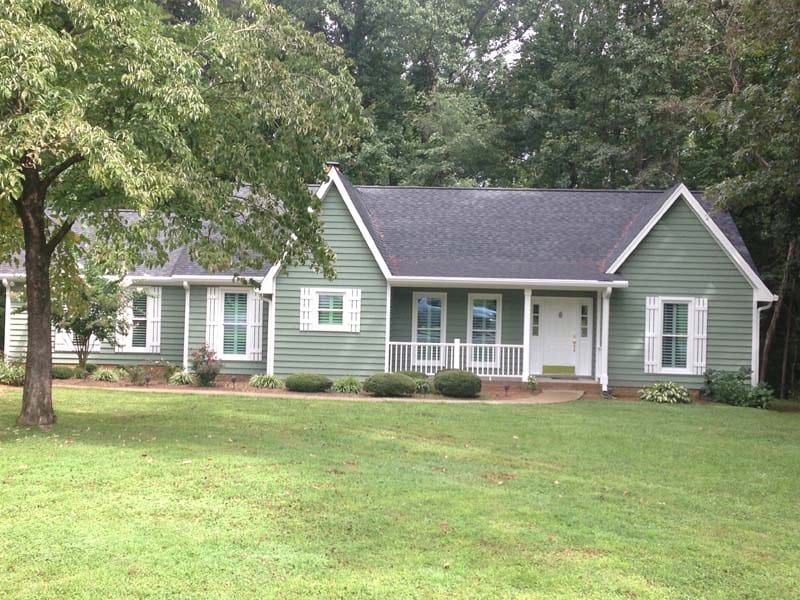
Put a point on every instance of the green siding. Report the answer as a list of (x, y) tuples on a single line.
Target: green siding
[(197, 334), (457, 314), (333, 353), (680, 258), (172, 321)]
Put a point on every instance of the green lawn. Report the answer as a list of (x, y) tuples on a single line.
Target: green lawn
[(179, 496)]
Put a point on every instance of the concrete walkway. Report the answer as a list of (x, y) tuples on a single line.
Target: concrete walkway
[(544, 397)]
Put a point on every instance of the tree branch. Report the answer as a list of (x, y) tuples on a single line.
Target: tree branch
[(56, 238), (59, 169)]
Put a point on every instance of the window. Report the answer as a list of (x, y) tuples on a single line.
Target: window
[(143, 315), (535, 320), (429, 327), (675, 335), (139, 321), (584, 321), (234, 324), (485, 311), (330, 309)]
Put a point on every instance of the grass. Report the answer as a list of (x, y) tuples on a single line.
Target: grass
[(180, 496)]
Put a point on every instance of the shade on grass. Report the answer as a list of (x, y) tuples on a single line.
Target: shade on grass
[(181, 496)]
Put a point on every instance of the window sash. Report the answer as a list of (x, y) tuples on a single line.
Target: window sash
[(429, 328), (675, 335), (484, 326), (330, 309), (234, 323)]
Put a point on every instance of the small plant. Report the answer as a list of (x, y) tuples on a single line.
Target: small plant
[(533, 383), (136, 374), (182, 378), (423, 386), (308, 382), (457, 384), (64, 372), (665, 392), (265, 381), (734, 388), (12, 373), (107, 374), (390, 385), (167, 367), (349, 384), (759, 396), (205, 365)]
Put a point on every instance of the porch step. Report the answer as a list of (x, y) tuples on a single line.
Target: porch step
[(589, 387)]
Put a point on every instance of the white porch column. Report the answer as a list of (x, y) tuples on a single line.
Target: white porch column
[(604, 353), (598, 343), (388, 327), (186, 304), (526, 337)]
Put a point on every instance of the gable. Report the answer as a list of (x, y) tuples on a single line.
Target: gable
[(683, 197)]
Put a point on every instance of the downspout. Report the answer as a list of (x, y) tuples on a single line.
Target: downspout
[(186, 303), (7, 321)]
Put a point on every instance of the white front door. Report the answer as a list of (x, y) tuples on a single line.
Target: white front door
[(561, 336)]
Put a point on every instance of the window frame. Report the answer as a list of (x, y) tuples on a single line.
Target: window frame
[(145, 320), (315, 325), (221, 353), (494, 356), (150, 320), (415, 296), (690, 337)]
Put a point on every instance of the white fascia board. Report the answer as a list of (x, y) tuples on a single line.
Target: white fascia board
[(488, 282), (762, 292), (268, 283), (335, 179)]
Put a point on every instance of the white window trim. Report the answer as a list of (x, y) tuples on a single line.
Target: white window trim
[(499, 338), (152, 327), (687, 370), (415, 360), (253, 350), (351, 310)]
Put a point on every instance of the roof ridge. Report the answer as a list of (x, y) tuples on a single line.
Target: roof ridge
[(513, 189)]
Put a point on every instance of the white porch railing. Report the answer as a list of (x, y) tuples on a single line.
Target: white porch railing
[(485, 360)]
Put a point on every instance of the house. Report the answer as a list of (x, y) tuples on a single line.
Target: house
[(620, 287)]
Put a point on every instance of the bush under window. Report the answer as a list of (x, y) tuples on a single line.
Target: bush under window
[(265, 381), (205, 366), (734, 388), (665, 392), (182, 378), (457, 384), (349, 384), (390, 385), (307, 382)]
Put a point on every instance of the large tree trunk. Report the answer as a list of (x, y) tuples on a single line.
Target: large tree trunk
[(787, 338), (788, 267), (37, 400)]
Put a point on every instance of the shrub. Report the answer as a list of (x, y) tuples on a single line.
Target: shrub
[(136, 374), (457, 384), (390, 385), (107, 374), (308, 382), (86, 372), (414, 374), (205, 365), (347, 385), (169, 368), (64, 372), (265, 381), (182, 378), (665, 392), (734, 388), (423, 386), (12, 373), (90, 368), (533, 384)]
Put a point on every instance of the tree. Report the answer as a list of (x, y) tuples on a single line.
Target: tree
[(118, 104), (91, 310)]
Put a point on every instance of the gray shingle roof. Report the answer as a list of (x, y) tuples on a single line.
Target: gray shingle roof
[(509, 232)]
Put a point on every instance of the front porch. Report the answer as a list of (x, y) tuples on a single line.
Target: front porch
[(508, 333)]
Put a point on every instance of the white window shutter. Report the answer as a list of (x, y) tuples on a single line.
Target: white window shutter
[(700, 334), (306, 309), (62, 341), (213, 318), (124, 341), (255, 325), (354, 306), (652, 334), (154, 319)]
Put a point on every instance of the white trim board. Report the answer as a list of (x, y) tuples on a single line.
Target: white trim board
[(762, 292)]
